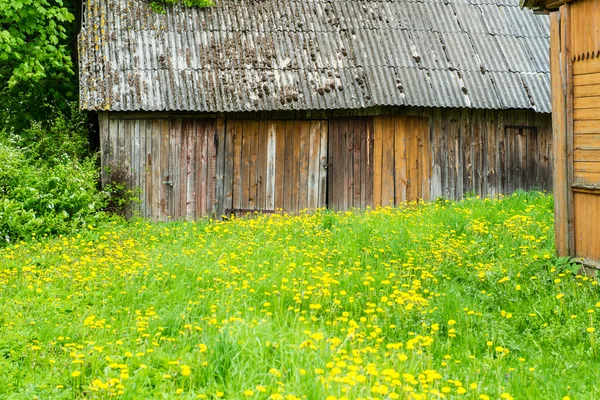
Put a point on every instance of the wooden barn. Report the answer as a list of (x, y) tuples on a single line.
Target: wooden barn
[(301, 104), (575, 65)]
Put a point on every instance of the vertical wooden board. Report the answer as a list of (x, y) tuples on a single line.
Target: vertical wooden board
[(453, 128), (212, 166), (501, 161), (377, 160), (200, 170), (545, 151), (332, 201), (261, 165), (425, 159), (203, 154), (349, 163), (587, 225), (360, 144), (412, 159), (304, 156), (314, 160), (491, 153), (143, 166), (521, 157), (279, 164), (534, 158), (402, 127), (166, 180), (228, 175), (288, 182), (437, 159), (296, 154), (246, 162), (478, 124), (388, 180), (510, 135), (568, 83), (322, 201), (187, 125), (253, 163), (340, 172), (466, 151), (190, 193), (175, 167), (238, 165), (134, 159), (271, 157), (155, 140), (369, 186), (221, 152), (149, 179)]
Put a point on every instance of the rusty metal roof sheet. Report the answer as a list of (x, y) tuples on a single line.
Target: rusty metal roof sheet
[(247, 55)]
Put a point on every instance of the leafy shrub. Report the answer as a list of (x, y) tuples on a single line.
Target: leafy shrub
[(39, 198)]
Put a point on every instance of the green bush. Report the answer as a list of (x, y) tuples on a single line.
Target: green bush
[(38, 198)]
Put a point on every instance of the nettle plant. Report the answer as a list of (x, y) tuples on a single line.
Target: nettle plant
[(159, 5)]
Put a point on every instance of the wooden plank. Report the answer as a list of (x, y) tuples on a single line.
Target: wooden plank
[(166, 179), (261, 164), (289, 167), (587, 155), (297, 163), (254, 174), (271, 157), (212, 166), (586, 127), (136, 163), (478, 125), (587, 225), (239, 162), (533, 159), (587, 103), (201, 162), (589, 66), (369, 186), (521, 159), (388, 174), (586, 141), (588, 79), (491, 171), (246, 162), (322, 201), (148, 181), (437, 160), (377, 160), (559, 136), (586, 91), (279, 163), (503, 168), (228, 177), (453, 148), (587, 114), (305, 127), (349, 163), (586, 177), (357, 127), (425, 159), (155, 139), (512, 161), (332, 200), (142, 165), (569, 95), (221, 151), (402, 126), (187, 126), (466, 151), (174, 168), (343, 173), (412, 158), (361, 142), (586, 166), (314, 145)]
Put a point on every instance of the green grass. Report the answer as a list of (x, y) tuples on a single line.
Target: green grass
[(435, 300)]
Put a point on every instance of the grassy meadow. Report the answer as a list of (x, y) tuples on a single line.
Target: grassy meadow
[(437, 300)]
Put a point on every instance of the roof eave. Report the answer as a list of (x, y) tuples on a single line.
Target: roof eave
[(543, 5)]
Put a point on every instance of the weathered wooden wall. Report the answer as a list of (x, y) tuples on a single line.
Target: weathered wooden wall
[(275, 165), (191, 167), (173, 162), (575, 68)]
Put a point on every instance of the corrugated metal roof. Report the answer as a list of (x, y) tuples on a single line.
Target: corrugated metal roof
[(247, 55)]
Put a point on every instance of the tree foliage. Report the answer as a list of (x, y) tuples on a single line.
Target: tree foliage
[(36, 66)]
